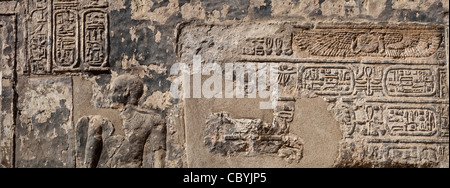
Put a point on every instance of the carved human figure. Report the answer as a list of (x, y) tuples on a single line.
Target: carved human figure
[(143, 144)]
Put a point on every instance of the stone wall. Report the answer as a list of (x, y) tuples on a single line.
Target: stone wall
[(89, 83)]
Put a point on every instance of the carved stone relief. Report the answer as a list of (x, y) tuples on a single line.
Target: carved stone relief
[(230, 137), (39, 30), (370, 41), (394, 109), (143, 143), (376, 77), (386, 85), (79, 35)]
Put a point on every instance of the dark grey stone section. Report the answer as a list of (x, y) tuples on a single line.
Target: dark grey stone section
[(44, 134)]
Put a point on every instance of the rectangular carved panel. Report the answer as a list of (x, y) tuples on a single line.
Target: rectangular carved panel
[(386, 85), (332, 80), (95, 46), (410, 121), (389, 42), (67, 36), (39, 18), (410, 82)]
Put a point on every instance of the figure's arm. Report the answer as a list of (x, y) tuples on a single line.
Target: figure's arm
[(94, 143), (91, 133), (81, 132)]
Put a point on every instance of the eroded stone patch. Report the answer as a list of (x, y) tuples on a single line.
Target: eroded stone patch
[(44, 134), (230, 137)]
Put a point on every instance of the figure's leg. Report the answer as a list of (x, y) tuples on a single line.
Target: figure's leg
[(94, 143), (94, 139), (155, 148), (111, 146), (159, 158), (81, 137), (89, 141)]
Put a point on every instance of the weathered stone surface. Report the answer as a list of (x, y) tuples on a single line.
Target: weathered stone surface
[(44, 133), (8, 45), (386, 86), (360, 83), (6, 123), (7, 63), (176, 138), (231, 137)]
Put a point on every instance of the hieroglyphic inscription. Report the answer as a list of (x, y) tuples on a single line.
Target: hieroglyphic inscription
[(287, 77), (402, 152), (267, 46), (407, 82), (406, 155), (95, 37), (409, 121), (39, 28), (369, 41), (380, 85), (373, 80), (327, 80), (67, 36), (444, 112), (376, 118), (368, 79), (404, 133), (443, 83), (285, 73), (371, 120), (284, 112)]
